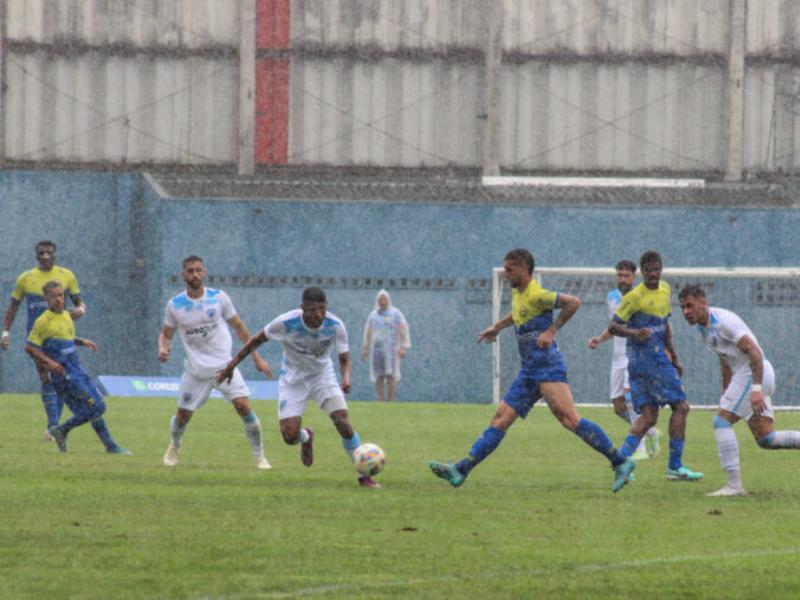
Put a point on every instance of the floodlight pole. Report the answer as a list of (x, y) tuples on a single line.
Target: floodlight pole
[(493, 17), (735, 87)]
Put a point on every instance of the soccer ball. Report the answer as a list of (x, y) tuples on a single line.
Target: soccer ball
[(369, 459)]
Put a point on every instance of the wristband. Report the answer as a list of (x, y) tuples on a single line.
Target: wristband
[(756, 387), (82, 308), (6, 334)]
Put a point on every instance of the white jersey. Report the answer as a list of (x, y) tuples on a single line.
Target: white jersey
[(204, 332), (306, 351), (724, 330), (619, 359)]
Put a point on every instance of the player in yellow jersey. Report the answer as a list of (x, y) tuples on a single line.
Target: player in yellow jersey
[(654, 368), (543, 374), (29, 288), (52, 343)]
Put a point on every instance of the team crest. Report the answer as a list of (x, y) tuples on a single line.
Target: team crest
[(211, 312), (523, 311)]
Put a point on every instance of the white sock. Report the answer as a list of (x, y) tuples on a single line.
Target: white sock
[(304, 435), (787, 439), (652, 432), (253, 431), (176, 432), (728, 449)]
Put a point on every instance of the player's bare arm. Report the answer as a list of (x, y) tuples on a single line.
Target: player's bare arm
[(11, 312), (595, 341), (748, 346), (620, 330), (489, 334), (165, 343), (78, 307), (671, 352), (250, 345), (241, 331), (346, 367), (726, 373), (42, 358), (568, 306), (86, 342)]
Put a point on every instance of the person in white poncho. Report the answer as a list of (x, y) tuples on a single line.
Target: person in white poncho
[(386, 339)]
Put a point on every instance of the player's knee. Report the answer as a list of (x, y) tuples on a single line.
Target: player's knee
[(767, 442), (719, 423)]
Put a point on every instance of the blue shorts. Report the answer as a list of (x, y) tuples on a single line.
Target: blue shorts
[(80, 393), (658, 385), (524, 392)]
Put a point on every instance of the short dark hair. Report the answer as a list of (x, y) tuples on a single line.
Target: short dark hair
[(523, 256), (649, 257), (626, 265), (313, 294), (50, 285), (45, 243), (694, 289), (191, 259)]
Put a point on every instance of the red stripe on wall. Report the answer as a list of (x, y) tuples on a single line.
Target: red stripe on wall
[(273, 19)]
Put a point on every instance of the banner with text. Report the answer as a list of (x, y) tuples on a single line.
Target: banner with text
[(123, 385)]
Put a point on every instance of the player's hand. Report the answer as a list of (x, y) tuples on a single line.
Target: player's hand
[(594, 342), (346, 385), (263, 366), (163, 354), (488, 335), (545, 339), (401, 353), (4, 341), (642, 334), (57, 368), (678, 367), (757, 401), (90, 344), (76, 313), (363, 354), (225, 375)]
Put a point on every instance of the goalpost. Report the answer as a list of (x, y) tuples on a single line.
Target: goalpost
[(767, 298)]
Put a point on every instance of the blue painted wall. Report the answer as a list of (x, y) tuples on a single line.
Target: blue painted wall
[(126, 244)]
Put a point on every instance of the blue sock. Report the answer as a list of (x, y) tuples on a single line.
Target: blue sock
[(101, 429), (629, 445), (351, 444), (593, 434), (675, 454), (52, 404), (486, 444)]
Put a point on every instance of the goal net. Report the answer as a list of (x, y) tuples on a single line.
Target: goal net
[(766, 298)]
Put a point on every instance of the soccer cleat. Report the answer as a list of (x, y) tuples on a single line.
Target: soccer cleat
[(47, 437), (59, 437), (623, 474), (171, 455), (683, 474), (448, 472), (368, 482), (307, 449), (262, 463), (652, 442), (119, 450), (727, 490)]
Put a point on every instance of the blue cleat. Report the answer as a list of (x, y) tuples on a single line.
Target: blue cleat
[(118, 450), (623, 474), (448, 472), (683, 474), (59, 437)]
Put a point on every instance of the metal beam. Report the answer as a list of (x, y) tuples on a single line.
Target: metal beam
[(247, 87)]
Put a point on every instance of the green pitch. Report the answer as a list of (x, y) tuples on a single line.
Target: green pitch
[(536, 519)]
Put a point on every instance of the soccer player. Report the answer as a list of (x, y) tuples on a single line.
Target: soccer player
[(29, 287), (308, 335), (654, 368), (200, 315), (748, 383), (543, 374), (52, 344), (620, 391)]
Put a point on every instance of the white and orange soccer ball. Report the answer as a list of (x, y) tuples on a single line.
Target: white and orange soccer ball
[(369, 459)]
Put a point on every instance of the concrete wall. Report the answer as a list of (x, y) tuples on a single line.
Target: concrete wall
[(126, 246)]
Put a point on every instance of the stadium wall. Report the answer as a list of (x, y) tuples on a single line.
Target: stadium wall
[(125, 244)]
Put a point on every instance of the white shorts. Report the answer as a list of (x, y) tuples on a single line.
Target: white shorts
[(324, 389), (618, 382), (736, 397), (194, 392)]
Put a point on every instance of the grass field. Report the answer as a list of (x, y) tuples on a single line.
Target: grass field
[(536, 519)]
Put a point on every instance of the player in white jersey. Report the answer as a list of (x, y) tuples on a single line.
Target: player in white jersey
[(201, 316), (748, 383), (620, 390), (308, 336)]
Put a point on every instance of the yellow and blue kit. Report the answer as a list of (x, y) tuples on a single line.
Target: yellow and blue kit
[(532, 311), (652, 376), (29, 287), (54, 334)]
